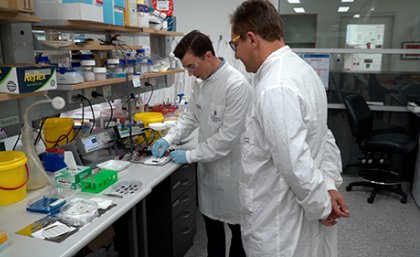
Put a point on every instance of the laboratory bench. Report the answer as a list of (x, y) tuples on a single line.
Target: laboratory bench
[(165, 191)]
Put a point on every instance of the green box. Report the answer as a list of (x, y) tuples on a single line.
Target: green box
[(99, 181), (66, 178), (19, 79)]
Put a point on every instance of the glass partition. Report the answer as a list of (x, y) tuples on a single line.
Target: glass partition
[(368, 47)]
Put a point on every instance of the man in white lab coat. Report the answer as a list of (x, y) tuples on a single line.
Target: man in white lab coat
[(289, 201), (217, 107)]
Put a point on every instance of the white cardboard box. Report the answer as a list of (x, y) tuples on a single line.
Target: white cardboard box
[(71, 11)]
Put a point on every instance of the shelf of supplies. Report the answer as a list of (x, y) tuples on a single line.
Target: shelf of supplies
[(66, 45), (7, 97), (159, 74), (97, 27), (162, 32), (99, 83), (17, 17)]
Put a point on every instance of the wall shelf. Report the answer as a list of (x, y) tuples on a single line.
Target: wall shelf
[(67, 45), (99, 83), (7, 97), (17, 17), (97, 28)]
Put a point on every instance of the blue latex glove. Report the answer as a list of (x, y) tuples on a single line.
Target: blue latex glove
[(179, 156), (159, 147)]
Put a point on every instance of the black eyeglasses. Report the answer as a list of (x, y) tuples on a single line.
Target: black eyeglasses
[(232, 42)]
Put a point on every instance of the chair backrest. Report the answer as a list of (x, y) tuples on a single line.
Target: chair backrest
[(359, 116)]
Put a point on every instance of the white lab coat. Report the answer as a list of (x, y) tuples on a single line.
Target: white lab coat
[(290, 160), (217, 106)]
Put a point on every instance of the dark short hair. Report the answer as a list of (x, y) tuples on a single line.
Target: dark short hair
[(259, 17), (195, 42)]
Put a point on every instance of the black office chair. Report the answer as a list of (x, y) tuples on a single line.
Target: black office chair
[(377, 149)]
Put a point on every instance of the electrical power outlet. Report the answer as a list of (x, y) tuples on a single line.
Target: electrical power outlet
[(87, 92), (71, 94), (107, 91)]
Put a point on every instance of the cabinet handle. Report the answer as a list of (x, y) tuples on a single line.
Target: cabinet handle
[(175, 203), (186, 231), (185, 182), (185, 199), (177, 184), (186, 215)]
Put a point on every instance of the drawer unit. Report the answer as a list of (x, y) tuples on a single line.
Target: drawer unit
[(182, 179), (183, 230), (183, 201), (171, 214)]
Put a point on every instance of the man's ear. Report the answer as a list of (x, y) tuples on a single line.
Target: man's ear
[(252, 38)]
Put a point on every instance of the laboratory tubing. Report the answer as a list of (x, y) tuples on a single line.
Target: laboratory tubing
[(88, 73), (100, 73)]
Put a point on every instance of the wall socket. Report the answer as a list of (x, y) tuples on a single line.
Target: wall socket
[(87, 92), (71, 94), (107, 91)]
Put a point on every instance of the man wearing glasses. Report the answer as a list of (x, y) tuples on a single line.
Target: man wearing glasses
[(291, 164), (219, 102)]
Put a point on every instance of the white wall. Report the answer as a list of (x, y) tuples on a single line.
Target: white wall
[(209, 16)]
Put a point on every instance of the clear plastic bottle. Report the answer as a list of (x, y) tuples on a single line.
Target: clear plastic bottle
[(113, 65), (131, 65), (140, 55)]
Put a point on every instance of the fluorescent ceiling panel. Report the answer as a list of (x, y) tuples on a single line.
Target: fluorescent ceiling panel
[(293, 1), (343, 9), (347, 1), (299, 10)]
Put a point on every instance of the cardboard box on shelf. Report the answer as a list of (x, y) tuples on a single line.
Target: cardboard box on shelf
[(164, 6), (27, 78), (69, 11), (17, 5)]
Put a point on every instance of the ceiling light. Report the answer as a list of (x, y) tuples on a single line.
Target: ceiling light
[(299, 10), (356, 16), (293, 1), (347, 1), (343, 9)]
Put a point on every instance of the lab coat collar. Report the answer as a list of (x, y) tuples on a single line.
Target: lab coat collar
[(215, 73), (271, 58)]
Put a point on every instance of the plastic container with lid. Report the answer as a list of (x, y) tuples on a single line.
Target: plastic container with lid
[(69, 76), (146, 118), (100, 73), (13, 177), (88, 73)]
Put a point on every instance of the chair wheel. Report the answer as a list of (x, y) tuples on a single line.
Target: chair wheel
[(403, 200), (370, 200), (348, 188)]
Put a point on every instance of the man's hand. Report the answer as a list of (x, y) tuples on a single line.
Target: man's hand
[(339, 208), (159, 147), (179, 156)]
